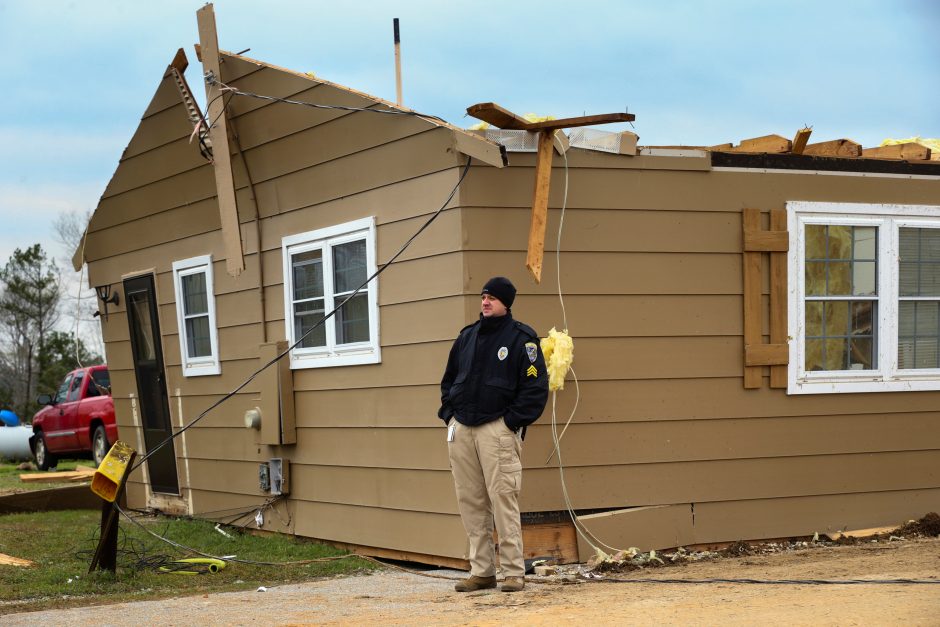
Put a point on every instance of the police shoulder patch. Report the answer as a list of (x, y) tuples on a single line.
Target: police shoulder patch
[(532, 350)]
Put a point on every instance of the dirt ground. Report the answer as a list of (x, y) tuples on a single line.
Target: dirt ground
[(399, 598)]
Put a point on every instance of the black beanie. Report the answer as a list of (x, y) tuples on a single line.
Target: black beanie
[(502, 288)]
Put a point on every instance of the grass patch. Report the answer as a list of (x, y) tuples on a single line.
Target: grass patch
[(10, 477), (61, 545)]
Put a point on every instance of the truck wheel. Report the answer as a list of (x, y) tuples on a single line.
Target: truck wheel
[(44, 459), (99, 445)]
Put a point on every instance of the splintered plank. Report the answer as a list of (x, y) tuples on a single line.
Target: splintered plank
[(543, 178), (767, 143), (9, 560), (911, 151), (835, 148), (799, 142), (81, 473), (492, 113)]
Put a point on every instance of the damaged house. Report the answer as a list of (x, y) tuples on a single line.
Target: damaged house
[(756, 327)]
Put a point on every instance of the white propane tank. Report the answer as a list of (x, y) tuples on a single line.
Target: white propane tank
[(14, 443)]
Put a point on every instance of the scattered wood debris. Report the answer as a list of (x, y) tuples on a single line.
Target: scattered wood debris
[(634, 559), (81, 473), (9, 560)]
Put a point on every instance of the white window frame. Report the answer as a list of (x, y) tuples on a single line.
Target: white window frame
[(209, 364), (324, 239), (889, 219)]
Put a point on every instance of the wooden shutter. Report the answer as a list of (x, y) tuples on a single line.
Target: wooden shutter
[(774, 243)]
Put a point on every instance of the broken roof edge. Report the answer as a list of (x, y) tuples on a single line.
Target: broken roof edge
[(465, 141)]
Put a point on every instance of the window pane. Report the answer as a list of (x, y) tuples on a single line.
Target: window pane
[(814, 355), (840, 278), (908, 279), (929, 244), (815, 278), (815, 241), (76, 390), (195, 300), (840, 242), (863, 278), (925, 353), (906, 318), (63, 389), (352, 320), (929, 279), (306, 316), (308, 274), (909, 244), (197, 337), (349, 266), (836, 354), (861, 357), (905, 354), (814, 315), (103, 380), (862, 318), (926, 318), (865, 242), (836, 318)]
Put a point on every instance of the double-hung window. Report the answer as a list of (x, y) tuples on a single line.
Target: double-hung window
[(864, 306), (322, 270), (195, 313)]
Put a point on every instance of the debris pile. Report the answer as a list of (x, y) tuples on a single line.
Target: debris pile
[(928, 526)]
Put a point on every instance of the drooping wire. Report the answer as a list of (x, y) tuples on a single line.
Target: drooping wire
[(322, 321)]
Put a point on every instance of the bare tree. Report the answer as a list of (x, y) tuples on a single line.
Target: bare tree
[(79, 304), (29, 302)]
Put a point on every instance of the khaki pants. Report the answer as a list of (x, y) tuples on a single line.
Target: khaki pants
[(486, 461)]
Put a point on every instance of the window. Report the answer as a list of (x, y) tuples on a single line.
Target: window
[(322, 269), (864, 309), (75, 392), (195, 313), (63, 391)]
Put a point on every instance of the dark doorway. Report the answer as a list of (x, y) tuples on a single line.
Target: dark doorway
[(151, 382)]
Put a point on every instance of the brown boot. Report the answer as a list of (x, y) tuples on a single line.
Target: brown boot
[(513, 584), (473, 583)]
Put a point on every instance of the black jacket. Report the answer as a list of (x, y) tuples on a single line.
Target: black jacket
[(495, 368)]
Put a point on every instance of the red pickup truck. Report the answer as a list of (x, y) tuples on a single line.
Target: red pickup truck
[(77, 421)]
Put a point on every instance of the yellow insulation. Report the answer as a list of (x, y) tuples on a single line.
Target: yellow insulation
[(932, 143), (558, 349)]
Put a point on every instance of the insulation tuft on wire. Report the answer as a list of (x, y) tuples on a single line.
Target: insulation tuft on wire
[(558, 348)]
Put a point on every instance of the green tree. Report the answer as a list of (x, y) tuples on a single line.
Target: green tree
[(61, 354), (29, 300)]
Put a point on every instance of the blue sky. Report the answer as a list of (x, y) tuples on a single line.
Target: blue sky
[(77, 75)]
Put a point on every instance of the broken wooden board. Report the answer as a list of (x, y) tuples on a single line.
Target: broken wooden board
[(911, 151), (500, 117), (800, 140), (835, 148), (9, 560), (859, 533), (767, 143), (81, 473)]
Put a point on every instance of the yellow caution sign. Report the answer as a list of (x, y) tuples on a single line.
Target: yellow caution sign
[(111, 472)]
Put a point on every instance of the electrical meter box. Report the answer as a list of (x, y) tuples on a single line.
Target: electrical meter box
[(280, 475), (264, 477)]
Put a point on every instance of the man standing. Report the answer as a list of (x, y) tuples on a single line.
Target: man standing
[(494, 386)]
